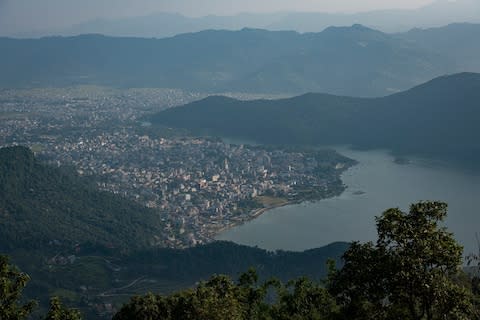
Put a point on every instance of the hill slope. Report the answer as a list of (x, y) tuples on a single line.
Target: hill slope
[(355, 61), (42, 207), (439, 117)]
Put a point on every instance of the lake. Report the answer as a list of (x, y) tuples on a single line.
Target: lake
[(375, 184)]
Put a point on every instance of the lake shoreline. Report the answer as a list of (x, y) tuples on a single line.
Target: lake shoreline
[(350, 216), (255, 213)]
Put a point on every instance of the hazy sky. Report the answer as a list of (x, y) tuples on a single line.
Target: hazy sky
[(24, 15)]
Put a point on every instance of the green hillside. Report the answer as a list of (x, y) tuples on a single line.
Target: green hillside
[(46, 208)]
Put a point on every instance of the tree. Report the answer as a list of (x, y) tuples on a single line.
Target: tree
[(252, 295), (408, 274), (59, 312), (12, 283), (220, 298), (302, 299), (216, 299)]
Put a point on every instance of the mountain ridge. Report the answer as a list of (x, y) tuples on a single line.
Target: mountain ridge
[(353, 61), (436, 118)]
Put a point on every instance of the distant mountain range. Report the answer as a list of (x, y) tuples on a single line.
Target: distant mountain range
[(356, 61), (440, 12), (456, 41), (439, 118)]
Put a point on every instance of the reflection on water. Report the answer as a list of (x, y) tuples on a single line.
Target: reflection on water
[(374, 185)]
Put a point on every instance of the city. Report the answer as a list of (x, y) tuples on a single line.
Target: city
[(199, 186)]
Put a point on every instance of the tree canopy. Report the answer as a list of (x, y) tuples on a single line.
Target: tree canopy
[(410, 273), (12, 282), (12, 307)]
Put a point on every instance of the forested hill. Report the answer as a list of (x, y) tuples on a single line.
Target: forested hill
[(43, 207), (354, 60), (163, 270), (439, 117), (200, 262)]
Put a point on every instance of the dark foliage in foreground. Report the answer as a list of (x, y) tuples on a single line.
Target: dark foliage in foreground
[(412, 272)]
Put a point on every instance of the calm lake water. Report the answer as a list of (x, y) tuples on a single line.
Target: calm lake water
[(351, 216)]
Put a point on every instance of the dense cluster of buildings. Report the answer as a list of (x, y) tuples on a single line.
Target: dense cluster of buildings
[(198, 186)]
